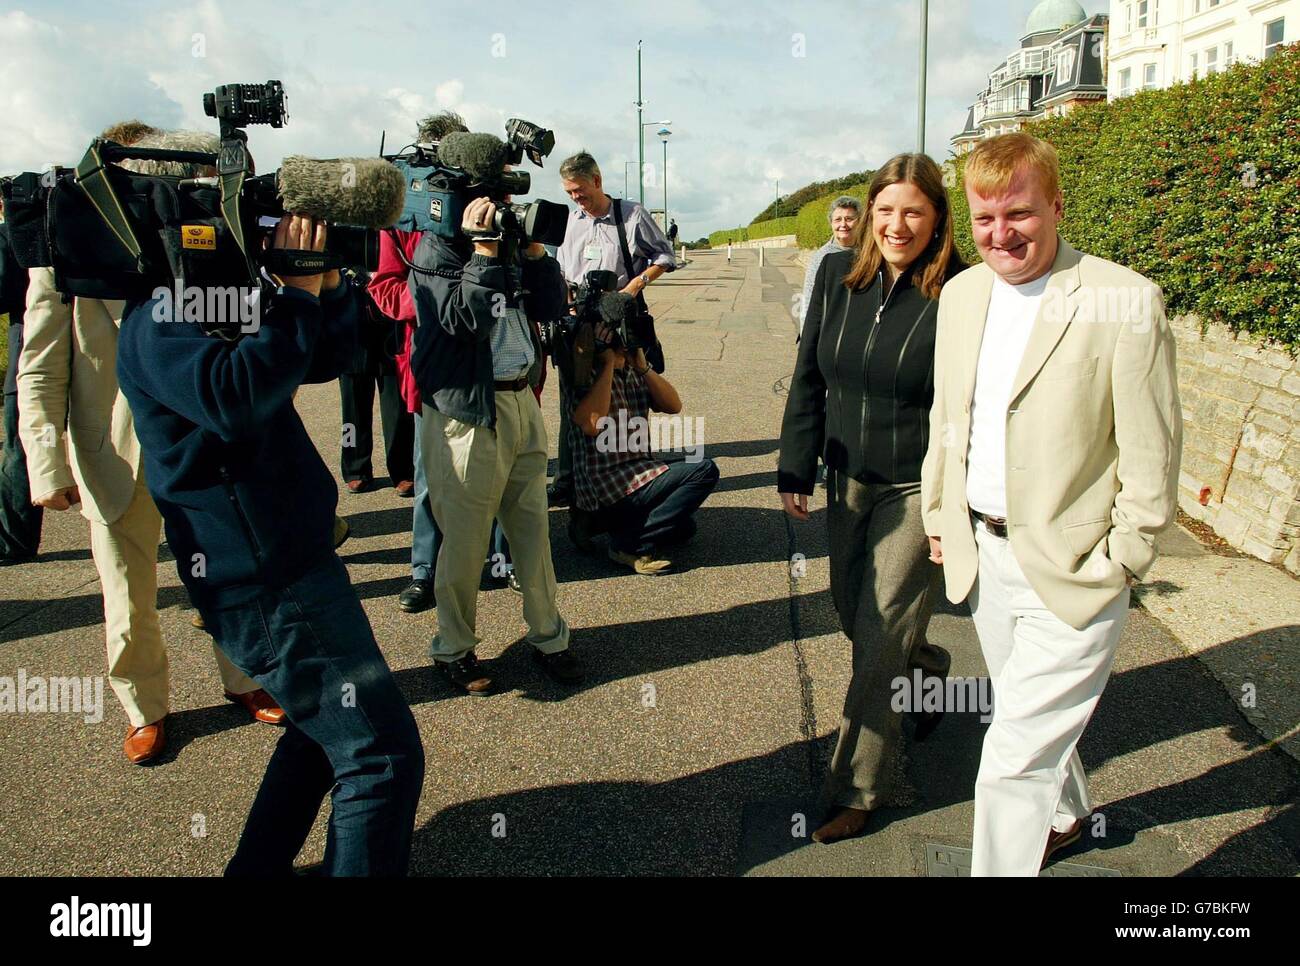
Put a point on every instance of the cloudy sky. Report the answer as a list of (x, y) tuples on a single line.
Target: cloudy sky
[(757, 90)]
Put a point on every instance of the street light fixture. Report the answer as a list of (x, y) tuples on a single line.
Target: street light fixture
[(640, 178), (664, 134)]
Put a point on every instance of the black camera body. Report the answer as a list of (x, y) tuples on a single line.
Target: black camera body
[(603, 318), (110, 233)]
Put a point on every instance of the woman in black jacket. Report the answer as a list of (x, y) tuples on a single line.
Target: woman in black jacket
[(860, 398)]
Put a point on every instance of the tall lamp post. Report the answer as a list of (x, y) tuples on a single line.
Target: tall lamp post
[(640, 130), (920, 95), (664, 134)]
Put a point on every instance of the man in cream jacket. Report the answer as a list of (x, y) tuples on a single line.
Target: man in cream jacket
[(67, 378), (1055, 440)]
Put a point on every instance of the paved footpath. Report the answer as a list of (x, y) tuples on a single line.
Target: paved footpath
[(704, 725)]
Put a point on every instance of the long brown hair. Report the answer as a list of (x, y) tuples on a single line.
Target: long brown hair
[(940, 260)]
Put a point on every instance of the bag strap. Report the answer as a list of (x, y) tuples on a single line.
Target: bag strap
[(627, 255), (93, 180)]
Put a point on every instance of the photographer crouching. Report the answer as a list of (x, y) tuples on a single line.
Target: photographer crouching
[(482, 435), (248, 505), (646, 505)]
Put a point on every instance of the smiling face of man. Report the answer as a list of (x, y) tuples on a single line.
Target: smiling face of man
[(1015, 230), (587, 193)]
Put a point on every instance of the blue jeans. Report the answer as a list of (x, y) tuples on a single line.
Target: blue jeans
[(426, 538), (20, 522), (660, 512), (349, 730)]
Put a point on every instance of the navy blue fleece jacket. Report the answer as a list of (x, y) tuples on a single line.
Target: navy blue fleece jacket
[(247, 501)]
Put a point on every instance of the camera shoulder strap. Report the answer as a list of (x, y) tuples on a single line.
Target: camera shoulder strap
[(92, 179), (627, 255)]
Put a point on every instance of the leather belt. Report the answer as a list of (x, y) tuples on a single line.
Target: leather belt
[(995, 525), (511, 385)]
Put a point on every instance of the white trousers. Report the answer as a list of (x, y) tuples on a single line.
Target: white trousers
[(1047, 678)]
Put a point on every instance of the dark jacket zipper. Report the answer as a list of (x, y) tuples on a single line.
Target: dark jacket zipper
[(243, 520)]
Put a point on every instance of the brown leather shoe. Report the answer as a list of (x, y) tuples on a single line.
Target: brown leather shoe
[(845, 823), (358, 486), (145, 743), (1059, 840), (405, 488), (260, 705)]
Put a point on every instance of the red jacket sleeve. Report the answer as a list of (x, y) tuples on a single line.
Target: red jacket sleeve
[(388, 284)]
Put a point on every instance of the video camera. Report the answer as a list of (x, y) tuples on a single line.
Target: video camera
[(443, 177), (110, 233), (598, 308)]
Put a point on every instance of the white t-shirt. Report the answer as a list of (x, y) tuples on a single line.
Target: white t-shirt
[(1012, 310)]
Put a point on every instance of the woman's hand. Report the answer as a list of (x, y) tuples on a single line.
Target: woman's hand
[(795, 504)]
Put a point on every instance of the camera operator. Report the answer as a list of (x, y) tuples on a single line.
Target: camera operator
[(248, 504), (482, 435), (644, 504), (390, 289), (68, 378), (615, 235)]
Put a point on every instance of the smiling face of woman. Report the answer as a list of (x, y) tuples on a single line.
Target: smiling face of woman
[(903, 222)]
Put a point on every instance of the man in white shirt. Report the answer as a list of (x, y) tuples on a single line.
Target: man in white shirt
[(1056, 434)]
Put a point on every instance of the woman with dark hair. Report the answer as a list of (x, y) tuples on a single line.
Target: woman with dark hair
[(860, 399)]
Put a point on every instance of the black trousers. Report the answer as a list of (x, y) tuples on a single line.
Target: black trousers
[(20, 522), (357, 393)]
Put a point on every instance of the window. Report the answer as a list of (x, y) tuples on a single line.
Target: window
[(1125, 82), (1149, 77), (1065, 66), (1227, 55), (1193, 72), (1273, 33), (1143, 7), (1211, 61)]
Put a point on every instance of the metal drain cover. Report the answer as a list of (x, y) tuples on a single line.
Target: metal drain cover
[(949, 861)]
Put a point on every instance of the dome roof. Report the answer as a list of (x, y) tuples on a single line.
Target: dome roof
[(1051, 16)]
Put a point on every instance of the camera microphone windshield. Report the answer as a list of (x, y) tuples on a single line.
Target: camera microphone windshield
[(363, 192), (481, 156)]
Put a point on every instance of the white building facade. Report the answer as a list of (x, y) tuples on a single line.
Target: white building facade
[(1059, 66), (1158, 43)]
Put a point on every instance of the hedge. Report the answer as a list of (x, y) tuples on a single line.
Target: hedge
[(813, 225), (761, 229), (1196, 187)]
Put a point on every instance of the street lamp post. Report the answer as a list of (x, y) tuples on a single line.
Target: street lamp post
[(640, 130), (920, 95), (664, 134)]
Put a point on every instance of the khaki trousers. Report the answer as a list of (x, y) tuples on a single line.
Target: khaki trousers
[(126, 556), (476, 474)]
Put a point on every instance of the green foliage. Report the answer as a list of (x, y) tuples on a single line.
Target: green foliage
[(1197, 187), (794, 201), (760, 229), (813, 225)]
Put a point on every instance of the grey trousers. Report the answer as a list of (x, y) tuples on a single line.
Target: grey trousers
[(883, 585)]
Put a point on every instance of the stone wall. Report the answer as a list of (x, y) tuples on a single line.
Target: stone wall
[(772, 241), (1241, 440)]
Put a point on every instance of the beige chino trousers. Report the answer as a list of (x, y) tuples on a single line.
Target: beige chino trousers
[(126, 556), (477, 474)]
